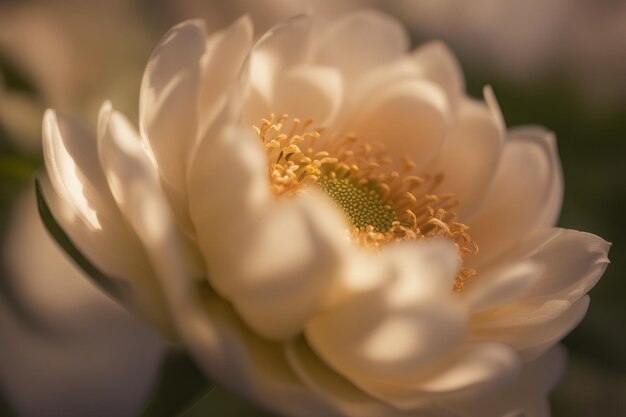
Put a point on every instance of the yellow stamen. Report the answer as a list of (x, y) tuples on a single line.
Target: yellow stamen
[(384, 200)]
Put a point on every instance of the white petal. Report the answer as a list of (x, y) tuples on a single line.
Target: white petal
[(168, 102), (335, 389), (475, 369), (284, 46), (469, 155), (521, 196), (552, 206), (309, 92), (436, 62), (574, 263), (282, 279), (410, 118), (236, 358), (530, 326), (135, 184), (275, 260), (528, 395), (408, 321), (502, 285), (221, 66), (360, 41), (81, 201)]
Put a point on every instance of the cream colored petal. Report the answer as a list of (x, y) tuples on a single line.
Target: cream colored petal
[(81, 201), (309, 92), (527, 396), (168, 101), (346, 398), (529, 326), (284, 46), (520, 197), (410, 118), (275, 260), (552, 206), (502, 285), (436, 62), (284, 279), (469, 155), (574, 263), (235, 357), (410, 320), (475, 369), (359, 42), (221, 65)]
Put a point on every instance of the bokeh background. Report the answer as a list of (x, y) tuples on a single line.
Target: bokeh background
[(67, 350)]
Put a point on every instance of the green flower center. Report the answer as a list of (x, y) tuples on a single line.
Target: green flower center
[(363, 204)]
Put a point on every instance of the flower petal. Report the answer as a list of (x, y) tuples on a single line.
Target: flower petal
[(274, 260), (528, 395), (284, 46), (531, 328), (360, 41), (526, 186), (574, 263), (81, 202), (410, 118), (475, 369), (169, 98), (469, 155), (335, 389), (407, 322), (436, 62), (310, 92), (502, 285), (221, 65)]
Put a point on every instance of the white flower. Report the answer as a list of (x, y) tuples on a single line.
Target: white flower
[(393, 256)]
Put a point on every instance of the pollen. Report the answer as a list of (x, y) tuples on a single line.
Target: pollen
[(384, 200)]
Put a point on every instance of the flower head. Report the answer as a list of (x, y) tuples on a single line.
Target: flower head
[(328, 223)]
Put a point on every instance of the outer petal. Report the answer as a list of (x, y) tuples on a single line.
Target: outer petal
[(475, 369), (232, 355), (183, 91), (284, 46), (436, 62), (390, 330), (531, 328), (527, 396), (410, 118), (527, 183), (168, 98), (502, 285), (469, 155), (310, 92), (81, 201), (275, 260), (335, 389), (361, 41), (574, 262)]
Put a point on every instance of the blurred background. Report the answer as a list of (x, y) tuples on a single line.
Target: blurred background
[(67, 350)]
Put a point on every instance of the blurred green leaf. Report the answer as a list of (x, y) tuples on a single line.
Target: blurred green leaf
[(103, 281), (221, 403), (15, 78), (180, 384)]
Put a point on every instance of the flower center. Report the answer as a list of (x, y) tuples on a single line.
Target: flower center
[(363, 204), (383, 199)]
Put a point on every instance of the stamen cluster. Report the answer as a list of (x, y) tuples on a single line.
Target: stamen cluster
[(384, 200)]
